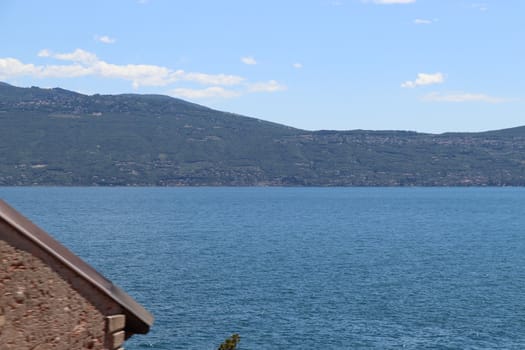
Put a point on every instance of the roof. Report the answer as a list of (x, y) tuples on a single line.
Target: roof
[(138, 319)]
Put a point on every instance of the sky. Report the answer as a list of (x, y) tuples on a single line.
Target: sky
[(423, 65)]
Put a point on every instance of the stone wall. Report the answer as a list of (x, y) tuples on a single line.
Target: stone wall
[(45, 305)]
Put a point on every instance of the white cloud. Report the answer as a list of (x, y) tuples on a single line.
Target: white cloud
[(424, 79), (248, 60), (78, 55), (138, 74), (87, 63), (214, 91), (105, 39), (70, 71), (217, 91), (11, 67), (44, 53), (390, 2), (81, 63), (423, 21), (463, 97), (297, 65), (269, 86), (210, 79)]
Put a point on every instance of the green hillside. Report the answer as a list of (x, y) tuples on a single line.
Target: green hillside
[(58, 137)]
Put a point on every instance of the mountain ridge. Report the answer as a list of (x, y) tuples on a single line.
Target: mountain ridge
[(60, 137)]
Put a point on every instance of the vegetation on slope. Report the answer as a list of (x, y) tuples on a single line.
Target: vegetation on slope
[(58, 137)]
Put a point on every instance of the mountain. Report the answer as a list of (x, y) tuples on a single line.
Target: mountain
[(59, 137)]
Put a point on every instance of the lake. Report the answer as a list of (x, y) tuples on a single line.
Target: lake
[(303, 268)]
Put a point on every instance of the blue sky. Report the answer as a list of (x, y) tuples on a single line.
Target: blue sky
[(423, 65)]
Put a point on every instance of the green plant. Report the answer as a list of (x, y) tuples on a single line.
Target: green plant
[(230, 343)]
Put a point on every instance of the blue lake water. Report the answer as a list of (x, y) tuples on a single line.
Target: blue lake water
[(303, 268)]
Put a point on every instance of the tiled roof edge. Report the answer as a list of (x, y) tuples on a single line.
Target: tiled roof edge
[(79, 266)]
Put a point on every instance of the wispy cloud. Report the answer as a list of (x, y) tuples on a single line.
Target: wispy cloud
[(463, 97), (297, 65), (424, 79), (390, 2), (220, 92), (269, 86), (81, 63), (211, 92), (79, 56), (105, 39), (248, 60), (44, 53), (423, 21), (85, 63), (209, 79), (480, 6)]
